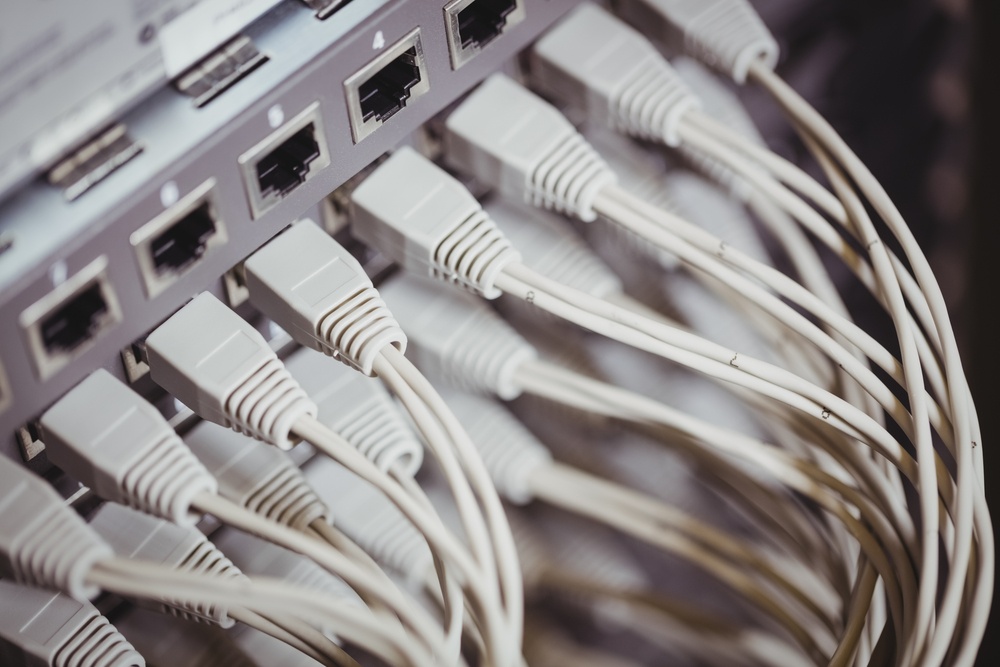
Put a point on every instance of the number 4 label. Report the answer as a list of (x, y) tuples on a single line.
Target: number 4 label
[(379, 41)]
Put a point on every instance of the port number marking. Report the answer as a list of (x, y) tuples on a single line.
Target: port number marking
[(379, 41), (275, 116), (169, 194)]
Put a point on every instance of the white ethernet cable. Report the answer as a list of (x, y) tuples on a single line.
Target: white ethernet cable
[(311, 286), (43, 542), (576, 77), (40, 628), (472, 130), (524, 470), (258, 557), (373, 221), (550, 246), (564, 70), (135, 535), (260, 478), (76, 430), (360, 409), (211, 370), (576, 560), (372, 521), (547, 243), (925, 297), (469, 345), (165, 640), (409, 176)]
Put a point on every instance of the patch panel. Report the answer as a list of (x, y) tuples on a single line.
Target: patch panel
[(215, 182)]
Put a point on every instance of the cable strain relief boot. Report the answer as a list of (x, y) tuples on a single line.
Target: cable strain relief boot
[(553, 248), (625, 84), (511, 453), (719, 102), (259, 558), (726, 35), (474, 254), (97, 643), (313, 288), (43, 542), (139, 536), (421, 217), (110, 438), (258, 477), (371, 520), (42, 627), (458, 338), (214, 362), (505, 135), (361, 410)]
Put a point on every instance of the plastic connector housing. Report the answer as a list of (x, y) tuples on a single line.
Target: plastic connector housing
[(372, 521), (214, 362), (40, 628), (509, 450), (257, 557), (507, 136), (421, 217), (256, 476), (361, 410), (623, 82), (719, 102), (550, 246), (139, 536), (726, 35), (458, 338), (43, 542), (110, 438), (315, 290), (266, 650)]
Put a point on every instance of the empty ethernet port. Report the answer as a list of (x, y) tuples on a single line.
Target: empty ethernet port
[(67, 321), (175, 241), (385, 86), (75, 323), (287, 166), (473, 24), (286, 159)]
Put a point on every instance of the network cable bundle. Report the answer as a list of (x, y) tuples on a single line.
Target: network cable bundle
[(410, 333)]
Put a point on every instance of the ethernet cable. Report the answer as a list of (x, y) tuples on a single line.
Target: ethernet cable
[(165, 639), (467, 326), (467, 344), (969, 459), (47, 628), (491, 157), (352, 323), (117, 461), (135, 535), (279, 413), (564, 71), (576, 560), (523, 470), (376, 220), (710, 42), (44, 543), (468, 138)]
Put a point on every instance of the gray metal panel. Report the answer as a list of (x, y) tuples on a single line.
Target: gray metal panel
[(309, 60)]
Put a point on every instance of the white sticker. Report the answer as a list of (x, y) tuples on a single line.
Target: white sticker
[(203, 28), (379, 41)]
